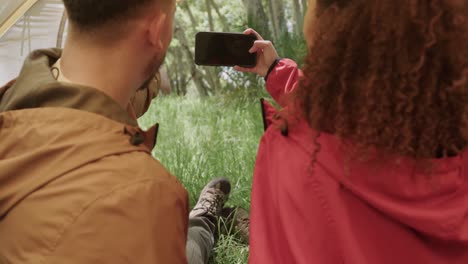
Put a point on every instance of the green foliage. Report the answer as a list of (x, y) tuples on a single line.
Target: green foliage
[(292, 46), (205, 137), (230, 251), (233, 16), (202, 138)]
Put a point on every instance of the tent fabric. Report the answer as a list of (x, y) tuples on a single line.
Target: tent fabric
[(7, 8), (43, 25), (11, 17), (38, 28)]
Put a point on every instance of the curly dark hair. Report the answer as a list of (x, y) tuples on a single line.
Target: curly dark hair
[(390, 75)]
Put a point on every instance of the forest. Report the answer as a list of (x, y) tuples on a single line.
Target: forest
[(211, 124), (277, 20)]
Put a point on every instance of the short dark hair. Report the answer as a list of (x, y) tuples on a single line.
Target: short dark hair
[(91, 14)]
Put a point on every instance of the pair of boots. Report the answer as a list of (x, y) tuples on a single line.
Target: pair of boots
[(228, 220)]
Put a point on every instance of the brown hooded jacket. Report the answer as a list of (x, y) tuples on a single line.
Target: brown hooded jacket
[(77, 181)]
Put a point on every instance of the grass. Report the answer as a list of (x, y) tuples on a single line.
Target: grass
[(202, 138)]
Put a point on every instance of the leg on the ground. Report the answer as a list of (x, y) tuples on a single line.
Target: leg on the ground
[(200, 241), (235, 221), (203, 219)]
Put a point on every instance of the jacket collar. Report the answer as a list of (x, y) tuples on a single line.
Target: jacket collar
[(36, 87)]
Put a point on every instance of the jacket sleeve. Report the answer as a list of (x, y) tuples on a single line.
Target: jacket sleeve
[(142, 223), (282, 80)]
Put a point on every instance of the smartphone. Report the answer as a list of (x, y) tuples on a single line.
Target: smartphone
[(224, 49)]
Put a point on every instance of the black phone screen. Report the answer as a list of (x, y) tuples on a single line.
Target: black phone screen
[(224, 49)]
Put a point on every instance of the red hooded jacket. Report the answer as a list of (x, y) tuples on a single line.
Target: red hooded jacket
[(371, 214)]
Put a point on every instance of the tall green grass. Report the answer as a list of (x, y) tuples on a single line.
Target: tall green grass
[(203, 138)]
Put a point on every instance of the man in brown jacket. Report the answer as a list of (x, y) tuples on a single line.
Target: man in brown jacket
[(77, 180)]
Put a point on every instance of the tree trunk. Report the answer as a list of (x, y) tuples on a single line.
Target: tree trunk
[(212, 74), (197, 77), (210, 16), (185, 6), (257, 18), (177, 74), (298, 17), (304, 7), (221, 17), (272, 16), (279, 17)]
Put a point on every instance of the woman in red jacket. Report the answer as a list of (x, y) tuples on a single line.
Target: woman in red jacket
[(367, 162)]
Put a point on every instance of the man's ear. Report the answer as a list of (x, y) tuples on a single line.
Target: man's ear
[(156, 29)]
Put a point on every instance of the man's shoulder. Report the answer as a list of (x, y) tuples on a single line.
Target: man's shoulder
[(137, 199), (141, 175), (144, 166), (117, 174), (133, 167)]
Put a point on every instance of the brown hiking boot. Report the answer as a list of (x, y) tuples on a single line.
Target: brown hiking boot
[(212, 199), (236, 221)]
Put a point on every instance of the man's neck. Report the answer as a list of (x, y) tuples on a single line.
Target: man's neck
[(105, 69)]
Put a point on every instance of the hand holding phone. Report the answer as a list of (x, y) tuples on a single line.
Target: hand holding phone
[(225, 49), (266, 54)]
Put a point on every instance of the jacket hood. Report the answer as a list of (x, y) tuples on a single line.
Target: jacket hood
[(36, 87), (40, 145), (432, 201)]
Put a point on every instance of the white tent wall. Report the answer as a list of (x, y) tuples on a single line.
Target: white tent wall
[(7, 8), (38, 28)]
